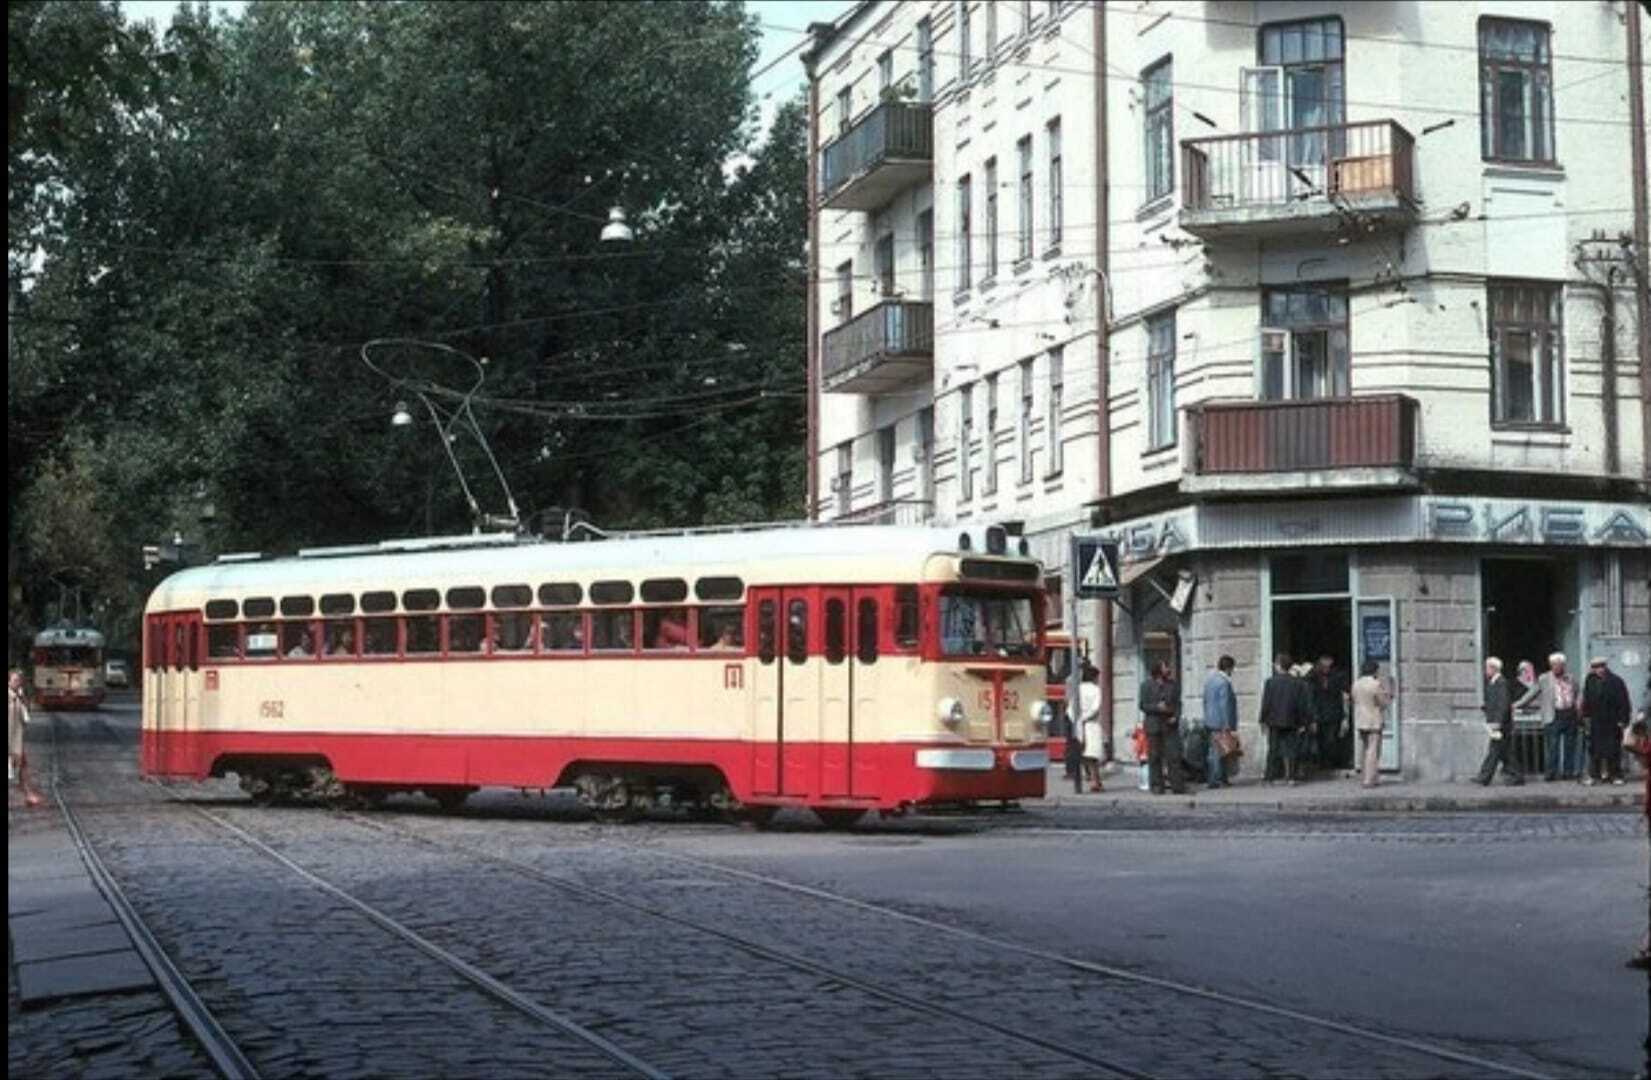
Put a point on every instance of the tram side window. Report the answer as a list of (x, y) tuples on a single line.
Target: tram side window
[(423, 633), (296, 641), (612, 631), (340, 637), (796, 631), (665, 629), (866, 631), (562, 631), (261, 641), (512, 633), (464, 633), (905, 617), (836, 631), (223, 641), (767, 631), (722, 629), (378, 637), (180, 646)]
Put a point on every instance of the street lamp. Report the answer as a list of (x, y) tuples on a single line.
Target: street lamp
[(450, 418)]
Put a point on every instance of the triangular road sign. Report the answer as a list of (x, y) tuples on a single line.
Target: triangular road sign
[(1100, 574)]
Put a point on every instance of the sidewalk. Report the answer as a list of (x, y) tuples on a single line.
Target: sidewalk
[(1343, 793)]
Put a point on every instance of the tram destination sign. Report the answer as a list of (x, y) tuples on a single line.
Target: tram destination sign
[(1095, 567)]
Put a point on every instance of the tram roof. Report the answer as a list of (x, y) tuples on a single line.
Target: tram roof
[(69, 635), (818, 555)]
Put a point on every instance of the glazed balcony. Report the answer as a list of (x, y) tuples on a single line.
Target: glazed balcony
[(1301, 181), (886, 348), (885, 152), (1285, 445)]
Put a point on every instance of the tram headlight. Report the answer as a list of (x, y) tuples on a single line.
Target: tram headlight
[(951, 712), (1043, 714)]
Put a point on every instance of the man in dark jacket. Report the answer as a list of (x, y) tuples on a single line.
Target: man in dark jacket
[(1280, 716), (1605, 706), (1499, 724), (1161, 713)]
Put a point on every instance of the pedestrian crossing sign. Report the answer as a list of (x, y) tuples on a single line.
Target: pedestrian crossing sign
[(1095, 562)]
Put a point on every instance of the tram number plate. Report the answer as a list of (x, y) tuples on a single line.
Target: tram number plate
[(272, 710), (1011, 699)]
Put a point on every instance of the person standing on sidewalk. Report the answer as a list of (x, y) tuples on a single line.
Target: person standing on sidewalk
[(1605, 704), (1499, 725), (1555, 698), (1089, 722), (1220, 715), (1161, 711), (1330, 701), (17, 718), (1279, 717), (1370, 700)]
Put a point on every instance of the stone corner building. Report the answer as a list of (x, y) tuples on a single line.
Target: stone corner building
[(1334, 308)]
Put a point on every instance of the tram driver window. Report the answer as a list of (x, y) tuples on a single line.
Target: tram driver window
[(612, 631), (905, 620), (223, 642), (796, 631), (665, 629), (563, 631), (722, 629), (378, 637), (423, 634), (261, 641)]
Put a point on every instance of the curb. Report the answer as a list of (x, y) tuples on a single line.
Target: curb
[(1391, 804)]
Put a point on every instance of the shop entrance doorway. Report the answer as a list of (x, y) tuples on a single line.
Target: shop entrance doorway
[(1529, 609), (1307, 629)]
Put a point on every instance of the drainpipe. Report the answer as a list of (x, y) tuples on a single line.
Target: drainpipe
[(1642, 278), (813, 292), (1103, 395)]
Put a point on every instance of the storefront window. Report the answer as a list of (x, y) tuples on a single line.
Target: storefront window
[(1309, 572)]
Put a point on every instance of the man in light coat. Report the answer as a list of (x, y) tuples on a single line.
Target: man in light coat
[(1556, 697), (1220, 714), (1370, 700)]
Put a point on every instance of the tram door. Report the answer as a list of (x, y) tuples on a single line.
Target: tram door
[(836, 747), (786, 729)]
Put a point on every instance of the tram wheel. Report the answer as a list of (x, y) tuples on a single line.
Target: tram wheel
[(838, 819), (450, 799)]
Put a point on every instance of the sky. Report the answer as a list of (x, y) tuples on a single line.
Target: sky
[(783, 24)]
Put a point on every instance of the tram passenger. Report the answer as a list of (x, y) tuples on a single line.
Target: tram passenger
[(670, 631), (303, 648), (340, 639)]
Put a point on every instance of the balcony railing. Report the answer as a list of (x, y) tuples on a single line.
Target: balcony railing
[(1303, 436), (888, 150), (888, 348), (890, 512), (1276, 182)]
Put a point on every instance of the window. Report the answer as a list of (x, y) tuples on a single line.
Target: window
[(991, 221), (466, 597), (925, 253), (719, 588), (836, 631), (925, 60), (260, 641), (222, 609), (865, 633), (1159, 123), (423, 634), (560, 594), (1023, 152), (512, 596), (297, 607), (563, 631), (1161, 381), (465, 633), (612, 631), (991, 29), (767, 631), (845, 107), (1054, 141), (612, 592), (259, 607), (843, 485), (297, 643), (1054, 8), (925, 453), (882, 265), (1516, 115), (1297, 89), (664, 591), (421, 600), (987, 624), (378, 636), (1527, 368), (1309, 572), (1052, 428), (722, 629), (844, 307), (223, 642), (665, 629), (965, 61), (905, 617), (1025, 16), (512, 633), (965, 432), (1053, 605), (1304, 343), (338, 604), (375, 603), (796, 631), (1025, 421), (885, 72), (965, 238), (885, 464), (990, 441)]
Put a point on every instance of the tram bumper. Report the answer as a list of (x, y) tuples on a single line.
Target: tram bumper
[(950, 774)]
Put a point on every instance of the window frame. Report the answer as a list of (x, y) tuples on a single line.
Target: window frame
[(965, 234), (1158, 129), (1056, 406), (1290, 390), (965, 435), (991, 237), (989, 440), (1540, 84), (1052, 135), (1553, 328), (1027, 407), (1025, 195), (1162, 426)]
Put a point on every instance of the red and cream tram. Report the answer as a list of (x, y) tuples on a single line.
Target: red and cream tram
[(841, 669), (68, 668)]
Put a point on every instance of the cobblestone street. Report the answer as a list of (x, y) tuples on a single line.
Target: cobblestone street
[(1057, 941)]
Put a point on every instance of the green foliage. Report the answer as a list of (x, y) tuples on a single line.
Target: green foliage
[(212, 224)]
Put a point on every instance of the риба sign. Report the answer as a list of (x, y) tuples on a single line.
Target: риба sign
[(1504, 521)]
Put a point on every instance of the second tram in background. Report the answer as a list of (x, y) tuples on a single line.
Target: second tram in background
[(68, 668), (841, 669)]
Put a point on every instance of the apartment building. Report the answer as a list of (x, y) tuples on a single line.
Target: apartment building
[(1330, 312)]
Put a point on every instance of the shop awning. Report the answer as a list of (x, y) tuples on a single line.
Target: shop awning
[(1133, 572)]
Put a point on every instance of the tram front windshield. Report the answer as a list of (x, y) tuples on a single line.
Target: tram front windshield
[(66, 656), (987, 624)]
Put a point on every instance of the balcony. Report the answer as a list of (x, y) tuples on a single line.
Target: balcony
[(1279, 183), (889, 150), (888, 348), (1288, 445), (890, 512)]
